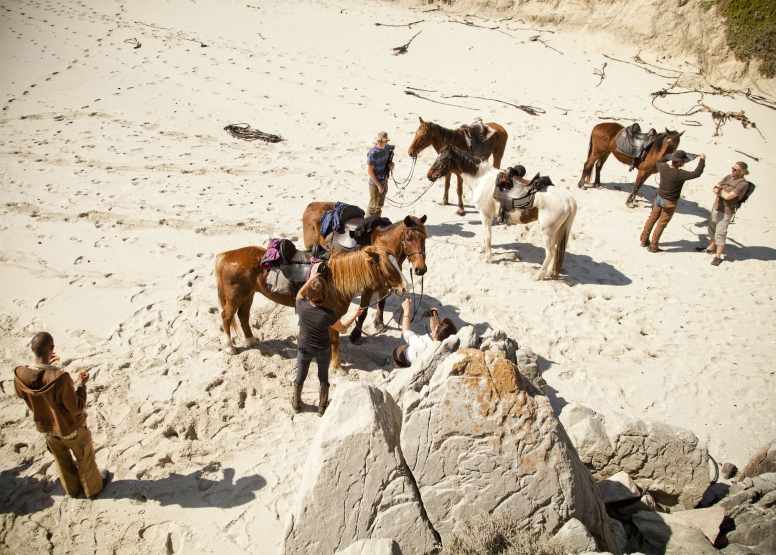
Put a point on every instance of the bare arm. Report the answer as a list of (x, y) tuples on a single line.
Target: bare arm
[(405, 319), (303, 290), (342, 326), (434, 321)]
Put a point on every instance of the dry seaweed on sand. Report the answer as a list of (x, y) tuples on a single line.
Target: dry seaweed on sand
[(243, 131), (403, 48)]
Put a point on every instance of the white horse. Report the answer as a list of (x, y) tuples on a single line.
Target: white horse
[(555, 209)]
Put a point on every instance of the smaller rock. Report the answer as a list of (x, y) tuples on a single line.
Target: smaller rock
[(729, 470), (646, 503), (671, 535), (619, 487), (379, 546), (468, 338), (767, 500), (761, 462), (708, 520), (576, 537), (620, 535)]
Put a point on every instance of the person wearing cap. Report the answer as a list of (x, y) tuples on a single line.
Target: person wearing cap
[(378, 168), (58, 409), (728, 192), (404, 355), (672, 179)]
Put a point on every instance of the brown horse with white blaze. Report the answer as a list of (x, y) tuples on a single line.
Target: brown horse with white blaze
[(603, 141), (406, 239), (239, 275), (431, 134)]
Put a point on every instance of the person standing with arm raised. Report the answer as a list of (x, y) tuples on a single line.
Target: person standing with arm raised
[(314, 341)]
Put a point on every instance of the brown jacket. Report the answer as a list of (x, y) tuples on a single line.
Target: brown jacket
[(57, 406), (672, 179)]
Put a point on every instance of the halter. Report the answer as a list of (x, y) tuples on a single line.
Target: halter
[(404, 243)]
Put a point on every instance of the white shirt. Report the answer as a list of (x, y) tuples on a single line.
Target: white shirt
[(417, 344)]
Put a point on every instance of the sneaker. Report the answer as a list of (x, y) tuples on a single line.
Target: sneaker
[(703, 249), (716, 261)]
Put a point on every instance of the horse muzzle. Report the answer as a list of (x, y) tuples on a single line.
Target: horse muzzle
[(420, 271), (400, 291)]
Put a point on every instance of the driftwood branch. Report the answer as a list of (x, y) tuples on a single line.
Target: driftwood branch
[(135, 42), (437, 9), (243, 131), (601, 72), (721, 118), (755, 158), (641, 66), (616, 119), (692, 123), (403, 49), (436, 101), (424, 90), (470, 24), (202, 44), (528, 109), (537, 38), (405, 25)]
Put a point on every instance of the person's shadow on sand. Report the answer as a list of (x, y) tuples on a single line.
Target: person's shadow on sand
[(26, 495)]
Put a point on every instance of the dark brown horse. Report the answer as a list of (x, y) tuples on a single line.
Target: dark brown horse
[(603, 141), (239, 276), (431, 134), (406, 239)]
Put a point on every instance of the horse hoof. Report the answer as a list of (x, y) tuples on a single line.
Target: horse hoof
[(538, 277), (461, 212), (342, 372), (357, 340), (231, 350), (252, 341), (630, 204)]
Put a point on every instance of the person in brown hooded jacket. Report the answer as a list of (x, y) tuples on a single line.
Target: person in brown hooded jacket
[(58, 409)]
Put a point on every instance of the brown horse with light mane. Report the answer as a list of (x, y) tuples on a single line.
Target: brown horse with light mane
[(406, 239), (431, 134), (603, 141), (239, 275)]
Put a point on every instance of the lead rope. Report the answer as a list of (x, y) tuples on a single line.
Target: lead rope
[(406, 182)]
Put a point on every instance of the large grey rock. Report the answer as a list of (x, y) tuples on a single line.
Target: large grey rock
[(669, 462), (405, 384), (355, 483), (708, 520), (761, 462), (379, 546), (576, 537), (620, 536), (480, 440), (468, 338), (670, 535), (755, 528), (617, 488)]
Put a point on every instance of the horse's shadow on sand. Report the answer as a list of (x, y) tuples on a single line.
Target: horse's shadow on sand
[(450, 228), (579, 268), (646, 197)]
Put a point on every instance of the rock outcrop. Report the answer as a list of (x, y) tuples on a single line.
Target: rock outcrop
[(750, 511), (670, 535), (761, 462), (575, 537), (480, 438), (356, 484), (669, 462), (378, 546)]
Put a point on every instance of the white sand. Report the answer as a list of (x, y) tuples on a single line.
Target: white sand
[(119, 186)]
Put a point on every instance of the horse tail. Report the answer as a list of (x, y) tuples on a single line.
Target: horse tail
[(563, 237), (589, 152), (221, 292)]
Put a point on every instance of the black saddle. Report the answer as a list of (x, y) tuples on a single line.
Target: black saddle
[(479, 137), (632, 142), (514, 195)]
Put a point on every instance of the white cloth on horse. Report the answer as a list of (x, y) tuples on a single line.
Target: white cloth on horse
[(344, 239)]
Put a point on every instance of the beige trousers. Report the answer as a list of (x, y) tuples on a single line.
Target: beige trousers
[(81, 472), (376, 200)]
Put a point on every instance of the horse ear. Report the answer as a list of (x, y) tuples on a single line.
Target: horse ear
[(680, 134), (423, 219), (408, 221), (667, 131), (421, 120)]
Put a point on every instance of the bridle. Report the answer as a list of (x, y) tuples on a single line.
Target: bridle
[(405, 246), (409, 256)]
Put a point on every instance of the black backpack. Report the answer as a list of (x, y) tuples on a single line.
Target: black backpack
[(749, 190)]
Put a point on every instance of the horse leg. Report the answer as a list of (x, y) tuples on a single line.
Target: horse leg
[(459, 190), (227, 319), (587, 169), (487, 221), (244, 314), (641, 177), (549, 255), (355, 335), (335, 357), (598, 165), (383, 294), (447, 188)]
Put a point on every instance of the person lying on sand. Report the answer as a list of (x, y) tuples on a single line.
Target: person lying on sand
[(405, 355)]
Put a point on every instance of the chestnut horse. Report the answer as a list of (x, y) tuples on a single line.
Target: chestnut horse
[(603, 141), (239, 275), (406, 239), (553, 207), (431, 134)]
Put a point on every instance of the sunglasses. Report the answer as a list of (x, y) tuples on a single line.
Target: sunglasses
[(736, 169)]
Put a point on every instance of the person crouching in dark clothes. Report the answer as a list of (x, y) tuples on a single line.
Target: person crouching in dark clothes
[(405, 355), (672, 180), (314, 341), (58, 409)]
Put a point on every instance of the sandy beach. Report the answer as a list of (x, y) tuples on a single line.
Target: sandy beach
[(120, 186)]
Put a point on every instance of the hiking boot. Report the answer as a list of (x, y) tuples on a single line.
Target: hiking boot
[(296, 398), (655, 249), (644, 244), (323, 400)]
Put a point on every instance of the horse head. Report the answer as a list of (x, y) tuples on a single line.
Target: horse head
[(388, 270), (670, 142), (421, 140), (413, 242), (442, 165)]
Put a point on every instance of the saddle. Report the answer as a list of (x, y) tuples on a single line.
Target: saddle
[(632, 142), (514, 195), (292, 269), (341, 239), (479, 137)]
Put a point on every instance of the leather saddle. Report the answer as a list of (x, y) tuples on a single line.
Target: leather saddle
[(514, 195), (479, 137), (341, 239), (295, 264), (632, 142)]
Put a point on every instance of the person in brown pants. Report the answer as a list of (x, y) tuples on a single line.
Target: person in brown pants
[(57, 407), (672, 180)]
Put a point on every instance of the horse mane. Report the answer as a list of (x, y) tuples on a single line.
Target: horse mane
[(352, 272), (469, 163), (659, 138), (447, 135)]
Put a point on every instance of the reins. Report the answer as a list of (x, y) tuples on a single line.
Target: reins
[(403, 185)]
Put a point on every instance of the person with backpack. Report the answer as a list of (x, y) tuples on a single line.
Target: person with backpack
[(729, 194)]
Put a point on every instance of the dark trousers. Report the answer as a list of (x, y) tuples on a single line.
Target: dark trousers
[(305, 356), (662, 216)]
